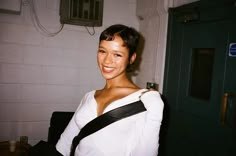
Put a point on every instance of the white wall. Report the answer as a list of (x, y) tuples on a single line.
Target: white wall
[(153, 18), (39, 74), (153, 22)]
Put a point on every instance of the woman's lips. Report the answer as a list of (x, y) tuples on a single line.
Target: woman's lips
[(107, 69)]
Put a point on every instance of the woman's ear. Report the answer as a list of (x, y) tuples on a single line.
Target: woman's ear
[(132, 59)]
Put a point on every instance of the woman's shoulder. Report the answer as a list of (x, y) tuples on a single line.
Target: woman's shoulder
[(128, 91), (150, 95), (88, 95)]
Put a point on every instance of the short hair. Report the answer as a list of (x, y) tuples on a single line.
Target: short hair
[(129, 36)]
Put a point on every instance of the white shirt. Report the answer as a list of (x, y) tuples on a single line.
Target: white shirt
[(137, 135)]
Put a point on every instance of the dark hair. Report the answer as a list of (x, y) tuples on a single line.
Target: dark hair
[(128, 34)]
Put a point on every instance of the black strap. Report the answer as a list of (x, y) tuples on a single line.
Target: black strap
[(106, 119)]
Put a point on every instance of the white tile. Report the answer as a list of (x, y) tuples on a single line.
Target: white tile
[(61, 94), (11, 53), (10, 92), (71, 39), (21, 34), (65, 107), (53, 4), (34, 130), (61, 75), (49, 93), (90, 76), (24, 112), (59, 57), (8, 131), (32, 74), (15, 73), (33, 93), (79, 57), (11, 73), (42, 55)]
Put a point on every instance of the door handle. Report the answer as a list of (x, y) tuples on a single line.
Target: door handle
[(224, 106)]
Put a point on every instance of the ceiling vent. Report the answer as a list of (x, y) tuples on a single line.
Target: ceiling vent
[(81, 12)]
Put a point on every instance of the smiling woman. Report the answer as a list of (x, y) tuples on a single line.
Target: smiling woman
[(113, 57), (135, 135)]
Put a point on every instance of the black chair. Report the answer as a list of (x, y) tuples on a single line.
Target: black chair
[(58, 123)]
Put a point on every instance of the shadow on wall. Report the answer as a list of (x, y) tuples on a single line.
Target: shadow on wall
[(164, 128), (135, 68)]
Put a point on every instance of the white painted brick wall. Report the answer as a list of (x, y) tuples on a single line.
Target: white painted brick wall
[(19, 34), (39, 75)]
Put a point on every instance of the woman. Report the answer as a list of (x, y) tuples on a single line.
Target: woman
[(137, 135)]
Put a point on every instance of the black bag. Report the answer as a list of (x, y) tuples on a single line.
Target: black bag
[(43, 148)]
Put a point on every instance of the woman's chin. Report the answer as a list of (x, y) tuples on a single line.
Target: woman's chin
[(107, 76)]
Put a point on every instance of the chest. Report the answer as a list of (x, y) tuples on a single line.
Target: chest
[(115, 137), (104, 100)]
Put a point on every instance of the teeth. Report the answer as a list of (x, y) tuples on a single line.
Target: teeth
[(107, 69)]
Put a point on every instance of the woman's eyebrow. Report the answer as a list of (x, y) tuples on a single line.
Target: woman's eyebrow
[(117, 51), (101, 46)]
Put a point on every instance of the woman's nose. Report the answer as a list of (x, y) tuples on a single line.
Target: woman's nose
[(108, 59)]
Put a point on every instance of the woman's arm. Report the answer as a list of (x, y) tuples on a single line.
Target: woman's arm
[(64, 143), (147, 140)]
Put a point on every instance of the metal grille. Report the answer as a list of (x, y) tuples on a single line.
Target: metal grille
[(82, 12)]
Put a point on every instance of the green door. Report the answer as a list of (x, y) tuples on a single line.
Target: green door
[(200, 81)]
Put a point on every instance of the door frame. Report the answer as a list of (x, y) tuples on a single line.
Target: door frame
[(177, 18), (171, 85)]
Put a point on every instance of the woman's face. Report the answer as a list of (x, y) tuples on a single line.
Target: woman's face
[(113, 58)]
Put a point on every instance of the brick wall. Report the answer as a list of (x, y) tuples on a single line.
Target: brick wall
[(39, 74)]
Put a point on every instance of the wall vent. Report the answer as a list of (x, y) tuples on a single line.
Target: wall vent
[(10, 7), (81, 12)]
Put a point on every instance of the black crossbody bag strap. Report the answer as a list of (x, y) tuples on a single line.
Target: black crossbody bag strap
[(106, 119)]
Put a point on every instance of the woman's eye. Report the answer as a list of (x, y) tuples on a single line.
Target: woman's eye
[(101, 51), (118, 55)]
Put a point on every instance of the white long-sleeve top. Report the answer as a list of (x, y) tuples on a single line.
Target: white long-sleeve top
[(137, 135)]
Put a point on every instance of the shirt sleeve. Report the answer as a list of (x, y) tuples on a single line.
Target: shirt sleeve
[(64, 143), (147, 140)]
